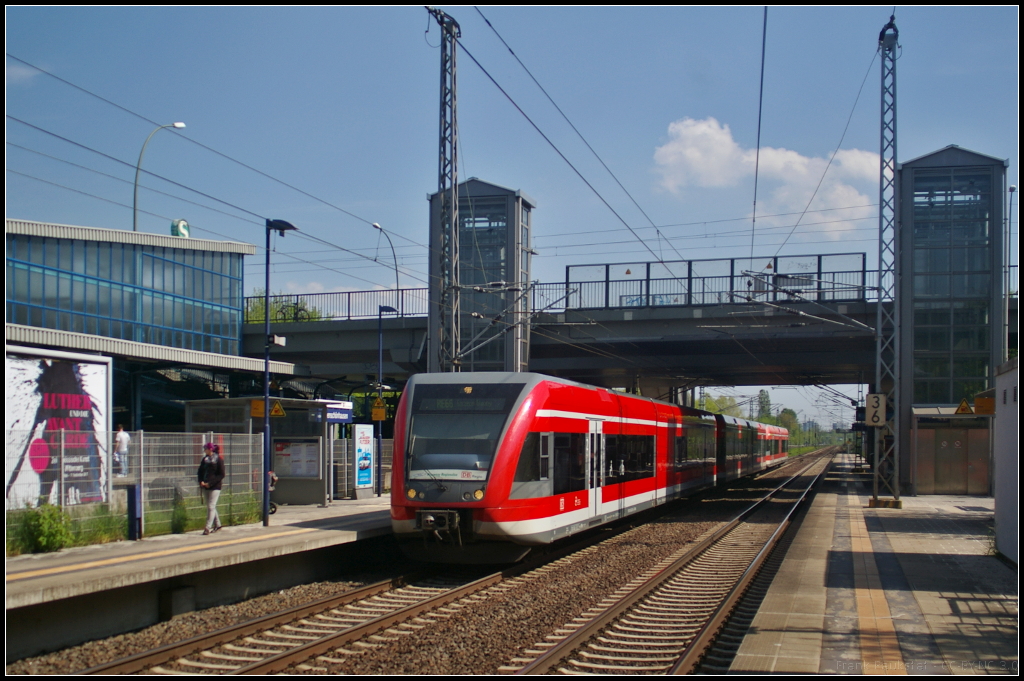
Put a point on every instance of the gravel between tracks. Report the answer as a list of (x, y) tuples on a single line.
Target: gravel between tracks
[(78, 658), (486, 634)]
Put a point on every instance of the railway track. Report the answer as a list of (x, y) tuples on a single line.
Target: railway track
[(664, 620), (319, 636), (276, 641)]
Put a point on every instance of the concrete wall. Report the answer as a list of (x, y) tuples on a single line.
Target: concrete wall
[(1006, 452)]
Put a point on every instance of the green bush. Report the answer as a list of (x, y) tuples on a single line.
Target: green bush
[(39, 530), (179, 516)]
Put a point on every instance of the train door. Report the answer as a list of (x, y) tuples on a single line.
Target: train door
[(595, 465)]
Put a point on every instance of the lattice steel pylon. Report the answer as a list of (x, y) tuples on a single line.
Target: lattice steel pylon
[(887, 327), (445, 357)]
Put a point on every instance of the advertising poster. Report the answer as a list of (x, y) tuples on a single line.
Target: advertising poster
[(56, 431), (364, 455)]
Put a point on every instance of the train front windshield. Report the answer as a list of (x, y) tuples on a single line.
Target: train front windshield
[(455, 428)]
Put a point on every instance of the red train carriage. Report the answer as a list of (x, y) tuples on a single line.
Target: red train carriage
[(494, 463)]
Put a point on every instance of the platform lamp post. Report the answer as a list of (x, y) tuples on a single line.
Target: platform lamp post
[(138, 167), (281, 227), (393, 257), (378, 413)]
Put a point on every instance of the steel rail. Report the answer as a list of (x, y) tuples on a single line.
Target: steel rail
[(172, 651), (547, 661), (691, 658)]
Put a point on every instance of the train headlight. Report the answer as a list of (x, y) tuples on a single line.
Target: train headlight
[(478, 494), (411, 493)]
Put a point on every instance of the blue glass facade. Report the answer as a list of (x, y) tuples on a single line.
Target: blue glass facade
[(180, 297)]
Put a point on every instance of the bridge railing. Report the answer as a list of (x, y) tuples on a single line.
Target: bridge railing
[(340, 305), (681, 291), (857, 285)]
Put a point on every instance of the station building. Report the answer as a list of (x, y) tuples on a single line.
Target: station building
[(168, 310)]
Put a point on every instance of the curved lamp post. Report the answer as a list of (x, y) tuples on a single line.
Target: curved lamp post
[(138, 167), (393, 257), (281, 227)]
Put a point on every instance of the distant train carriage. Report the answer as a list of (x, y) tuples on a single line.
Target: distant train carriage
[(488, 465)]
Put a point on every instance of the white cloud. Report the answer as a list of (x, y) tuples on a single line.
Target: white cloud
[(18, 74), (703, 154)]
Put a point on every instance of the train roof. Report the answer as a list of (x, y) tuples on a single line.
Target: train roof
[(530, 379)]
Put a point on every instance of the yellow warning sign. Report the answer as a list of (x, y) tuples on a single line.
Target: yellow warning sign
[(277, 409), (964, 408), (379, 412)]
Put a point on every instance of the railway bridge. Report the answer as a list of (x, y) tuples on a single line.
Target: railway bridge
[(614, 325)]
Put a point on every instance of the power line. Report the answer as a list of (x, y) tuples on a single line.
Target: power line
[(838, 147), (558, 151), (571, 125), (202, 146)]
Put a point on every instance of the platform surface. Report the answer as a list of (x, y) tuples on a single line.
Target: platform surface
[(916, 590), (40, 578)]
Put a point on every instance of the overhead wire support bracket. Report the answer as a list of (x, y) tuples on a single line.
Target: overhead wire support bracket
[(887, 347), (448, 353), (796, 294)]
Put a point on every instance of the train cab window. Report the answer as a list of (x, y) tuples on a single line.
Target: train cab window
[(454, 429)]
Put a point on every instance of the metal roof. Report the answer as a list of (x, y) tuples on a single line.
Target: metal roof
[(121, 236), (115, 347)]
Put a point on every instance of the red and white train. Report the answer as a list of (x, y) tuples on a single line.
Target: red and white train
[(488, 465)]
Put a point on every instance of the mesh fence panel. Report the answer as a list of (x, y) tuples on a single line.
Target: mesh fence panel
[(82, 473)]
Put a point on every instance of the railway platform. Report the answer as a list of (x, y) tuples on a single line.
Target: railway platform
[(861, 590), (87, 592)]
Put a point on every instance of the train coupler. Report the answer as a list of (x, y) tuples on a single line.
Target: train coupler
[(443, 525)]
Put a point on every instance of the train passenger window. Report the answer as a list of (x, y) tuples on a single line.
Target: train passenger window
[(682, 452), (569, 462), (534, 459), (532, 478), (629, 457)]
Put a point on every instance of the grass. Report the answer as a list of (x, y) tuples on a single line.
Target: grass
[(49, 528)]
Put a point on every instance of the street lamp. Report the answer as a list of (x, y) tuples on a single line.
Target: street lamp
[(379, 423), (393, 257), (281, 227), (138, 167)]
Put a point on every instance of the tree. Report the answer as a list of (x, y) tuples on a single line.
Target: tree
[(789, 420), (764, 405), (723, 404), (283, 308)]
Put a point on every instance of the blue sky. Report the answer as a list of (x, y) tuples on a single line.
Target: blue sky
[(342, 104)]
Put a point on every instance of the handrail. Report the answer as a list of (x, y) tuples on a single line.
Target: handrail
[(826, 287)]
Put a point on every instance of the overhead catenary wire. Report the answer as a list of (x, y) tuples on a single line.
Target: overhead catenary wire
[(838, 147), (571, 124), (261, 219), (757, 157), (558, 151)]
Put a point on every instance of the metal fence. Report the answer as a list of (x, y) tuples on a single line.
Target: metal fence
[(345, 472), (824, 278), (80, 473), (343, 305)]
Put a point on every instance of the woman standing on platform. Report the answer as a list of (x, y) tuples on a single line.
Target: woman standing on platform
[(211, 473)]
